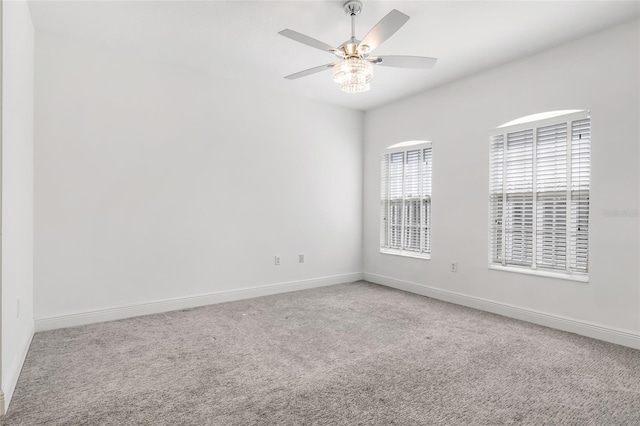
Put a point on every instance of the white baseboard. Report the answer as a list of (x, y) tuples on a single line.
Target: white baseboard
[(14, 372), (596, 331), (155, 307)]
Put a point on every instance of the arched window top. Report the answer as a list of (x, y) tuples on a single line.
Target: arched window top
[(540, 116), (407, 144)]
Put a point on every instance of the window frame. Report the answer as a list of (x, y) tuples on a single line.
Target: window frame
[(405, 147), (534, 124)]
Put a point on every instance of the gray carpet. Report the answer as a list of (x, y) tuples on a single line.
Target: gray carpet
[(352, 354)]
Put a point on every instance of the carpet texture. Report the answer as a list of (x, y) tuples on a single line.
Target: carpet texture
[(351, 354)]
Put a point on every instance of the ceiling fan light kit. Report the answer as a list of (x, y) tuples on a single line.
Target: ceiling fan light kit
[(353, 75), (355, 70)]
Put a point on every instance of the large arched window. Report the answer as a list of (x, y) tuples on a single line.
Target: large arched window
[(539, 195), (405, 204)]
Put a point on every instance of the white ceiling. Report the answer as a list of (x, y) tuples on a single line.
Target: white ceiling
[(239, 39)]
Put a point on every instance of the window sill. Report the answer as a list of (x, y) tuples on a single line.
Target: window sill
[(423, 256), (541, 273)]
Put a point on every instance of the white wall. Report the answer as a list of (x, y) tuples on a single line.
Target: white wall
[(154, 182), (17, 190), (599, 73)]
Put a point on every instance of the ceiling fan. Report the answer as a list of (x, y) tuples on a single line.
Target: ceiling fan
[(354, 70)]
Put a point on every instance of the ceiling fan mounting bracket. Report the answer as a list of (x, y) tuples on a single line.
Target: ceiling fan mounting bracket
[(352, 7)]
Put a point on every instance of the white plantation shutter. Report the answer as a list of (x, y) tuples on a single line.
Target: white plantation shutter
[(426, 201), (551, 177), (496, 184), (539, 195), (518, 208), (405, 208), (384, 200), (394, 218), (412, 201), (580, 177)]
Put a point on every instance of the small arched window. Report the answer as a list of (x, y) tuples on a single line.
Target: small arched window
[(405, 204), (539, 195)]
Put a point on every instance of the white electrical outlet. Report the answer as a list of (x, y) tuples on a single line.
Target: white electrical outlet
[(301, 258), (454, 266), (277, 260), (18, 308)]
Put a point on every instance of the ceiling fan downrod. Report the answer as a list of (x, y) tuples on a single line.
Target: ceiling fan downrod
[(353, 9)]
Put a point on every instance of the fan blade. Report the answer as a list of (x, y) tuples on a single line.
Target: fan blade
[(309, 41), (309, 71), (405, 61), (384, 29)]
